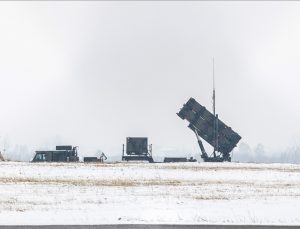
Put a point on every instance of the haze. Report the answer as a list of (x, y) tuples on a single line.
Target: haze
[(92, 73)]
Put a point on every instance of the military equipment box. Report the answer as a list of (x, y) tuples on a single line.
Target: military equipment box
[(90, 159), (137, 146), (64, 147), (137, 150)]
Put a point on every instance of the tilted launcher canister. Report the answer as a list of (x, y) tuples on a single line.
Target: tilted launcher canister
[(211, 129)]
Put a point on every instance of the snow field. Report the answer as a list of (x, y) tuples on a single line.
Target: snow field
[(184, 193)]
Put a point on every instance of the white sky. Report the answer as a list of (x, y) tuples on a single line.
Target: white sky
[(94, 73)]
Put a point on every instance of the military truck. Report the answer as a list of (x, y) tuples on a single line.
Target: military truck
[(64, 153)]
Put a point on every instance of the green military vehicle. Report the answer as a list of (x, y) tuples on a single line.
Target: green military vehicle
[(65, 153)]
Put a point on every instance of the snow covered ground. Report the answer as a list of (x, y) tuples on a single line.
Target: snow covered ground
[(183, 193)]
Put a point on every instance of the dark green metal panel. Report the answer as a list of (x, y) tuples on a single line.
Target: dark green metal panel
[(137, 146)]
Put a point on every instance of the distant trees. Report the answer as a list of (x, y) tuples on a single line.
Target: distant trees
[(244, 153), (22, 152), (18, 153)]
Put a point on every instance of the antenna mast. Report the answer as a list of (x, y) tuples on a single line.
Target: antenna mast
[(214, 93), (214, 111)]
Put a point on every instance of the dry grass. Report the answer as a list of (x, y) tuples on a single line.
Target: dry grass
[(227, 167), (176, 166), (150, 182), (86, 182)]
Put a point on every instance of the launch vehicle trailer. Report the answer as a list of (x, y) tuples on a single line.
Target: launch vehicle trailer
[(210, 128)]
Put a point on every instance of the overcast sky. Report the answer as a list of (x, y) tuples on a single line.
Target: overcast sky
[(93, 73)]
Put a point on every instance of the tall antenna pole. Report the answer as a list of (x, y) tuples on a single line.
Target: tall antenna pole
[(214, 92), (214, 111)]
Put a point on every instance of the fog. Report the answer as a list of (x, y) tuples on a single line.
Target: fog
[(92, 73)]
